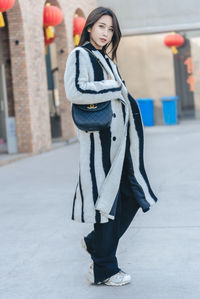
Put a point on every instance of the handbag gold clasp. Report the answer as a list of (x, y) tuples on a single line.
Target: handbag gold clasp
[(91, 106)]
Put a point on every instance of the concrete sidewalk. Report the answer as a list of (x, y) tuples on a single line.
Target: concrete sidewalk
[(41, 255)]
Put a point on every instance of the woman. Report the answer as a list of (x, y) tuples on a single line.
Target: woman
[(112, 182)]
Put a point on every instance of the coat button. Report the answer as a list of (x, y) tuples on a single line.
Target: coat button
[(114, 115), (114, 138)]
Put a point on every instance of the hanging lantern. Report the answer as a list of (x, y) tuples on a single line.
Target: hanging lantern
[(52, 16), (173, 41), (48, 41), (78, 25), (4, 6)]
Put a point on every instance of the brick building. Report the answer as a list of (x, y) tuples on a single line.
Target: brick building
[(32, 99)]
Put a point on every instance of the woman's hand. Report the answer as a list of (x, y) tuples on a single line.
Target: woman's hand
[(109, 78), (119, 84)]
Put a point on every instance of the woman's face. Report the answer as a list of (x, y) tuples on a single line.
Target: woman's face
[(101, 32)]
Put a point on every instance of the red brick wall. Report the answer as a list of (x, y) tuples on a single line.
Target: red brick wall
[(28, 87)]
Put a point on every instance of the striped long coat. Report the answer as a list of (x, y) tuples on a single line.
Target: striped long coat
[(102, 153)]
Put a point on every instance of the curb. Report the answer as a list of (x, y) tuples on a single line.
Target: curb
[(10, 159)]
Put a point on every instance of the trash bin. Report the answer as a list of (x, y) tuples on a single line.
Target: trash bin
[(146, 109), (169, 107)]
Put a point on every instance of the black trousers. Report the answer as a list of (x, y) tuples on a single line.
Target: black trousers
[(102, 242)]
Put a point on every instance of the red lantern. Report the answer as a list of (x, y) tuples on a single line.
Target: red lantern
[(79, 23), (5, 5), (173, 41), (52, 15)]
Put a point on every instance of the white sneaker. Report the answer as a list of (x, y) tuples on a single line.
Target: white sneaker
[(118, 279)]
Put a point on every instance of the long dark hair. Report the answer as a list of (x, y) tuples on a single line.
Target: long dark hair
[(93, 17)]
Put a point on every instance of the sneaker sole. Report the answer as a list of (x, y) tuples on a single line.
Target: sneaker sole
[(116, 284), (107, 283)]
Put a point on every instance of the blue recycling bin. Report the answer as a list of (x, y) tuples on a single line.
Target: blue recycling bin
[(146, 109), (169, 107)]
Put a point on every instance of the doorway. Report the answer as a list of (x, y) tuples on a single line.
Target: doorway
[(53, 95)]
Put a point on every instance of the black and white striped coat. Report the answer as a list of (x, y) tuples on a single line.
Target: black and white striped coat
[(102, 153)]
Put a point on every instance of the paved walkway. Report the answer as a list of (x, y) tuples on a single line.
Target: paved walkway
[(40, 252)]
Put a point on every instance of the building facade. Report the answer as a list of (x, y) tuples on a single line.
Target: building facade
[(28, 115)]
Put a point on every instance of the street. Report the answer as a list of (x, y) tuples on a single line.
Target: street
[(41, 254)]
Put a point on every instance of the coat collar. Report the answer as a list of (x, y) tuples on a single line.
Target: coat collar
[(90, 46), (100, 56)]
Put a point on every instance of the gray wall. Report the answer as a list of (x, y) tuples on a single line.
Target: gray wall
[(151, 16)]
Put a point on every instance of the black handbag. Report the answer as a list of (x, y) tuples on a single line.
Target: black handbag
[(92, 117)]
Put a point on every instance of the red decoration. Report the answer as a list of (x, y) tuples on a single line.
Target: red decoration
[(52, 15), (174, 40), (48, 41), (6, 4), (79, 23)]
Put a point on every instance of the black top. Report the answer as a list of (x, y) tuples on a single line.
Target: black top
[(102, 52), (91, 47)]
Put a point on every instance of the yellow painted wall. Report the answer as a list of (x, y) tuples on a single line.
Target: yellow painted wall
[(146, 65)]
